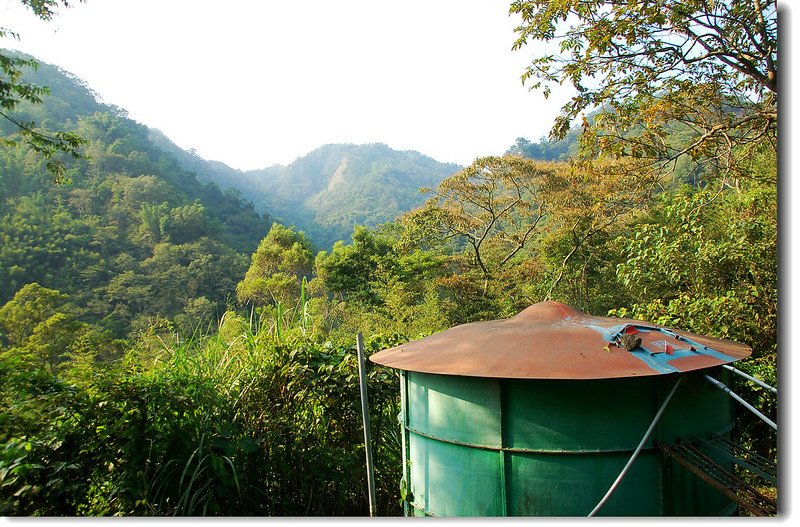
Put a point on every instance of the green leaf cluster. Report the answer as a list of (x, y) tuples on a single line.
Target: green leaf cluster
[(133, 236), (644, 66), (239, 423)]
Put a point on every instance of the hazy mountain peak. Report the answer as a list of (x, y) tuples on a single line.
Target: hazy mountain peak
[(325, 192), (337, 186)]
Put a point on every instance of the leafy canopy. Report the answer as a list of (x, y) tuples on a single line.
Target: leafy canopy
[(14, 91), (710, 66), (277, 268)]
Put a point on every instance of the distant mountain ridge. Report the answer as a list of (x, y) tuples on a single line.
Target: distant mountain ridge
[(325, 192), (329, 190), (337, 186)]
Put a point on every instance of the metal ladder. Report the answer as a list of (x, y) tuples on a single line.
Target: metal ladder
[(745, 495)]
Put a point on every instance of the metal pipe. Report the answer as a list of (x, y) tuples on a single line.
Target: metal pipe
[(751, 378), (744, 403), (636, 452), (362, 377), (404, 439)]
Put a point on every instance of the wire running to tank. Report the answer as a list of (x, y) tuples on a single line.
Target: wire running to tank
[(636, 452)]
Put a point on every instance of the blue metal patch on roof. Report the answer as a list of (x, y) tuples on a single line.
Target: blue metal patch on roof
[(659, 361)]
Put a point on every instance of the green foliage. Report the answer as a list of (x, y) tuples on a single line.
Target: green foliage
[(378, 284), (348, 270), (234, 424), (39, 329), (708, 255), (711, 66), (186, 224), (336, 187), (283, 258), (706, 261), (31, 306)]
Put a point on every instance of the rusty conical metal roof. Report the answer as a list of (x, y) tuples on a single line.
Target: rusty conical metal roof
[(551, 340)]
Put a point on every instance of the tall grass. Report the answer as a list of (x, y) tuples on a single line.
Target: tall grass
[(251, 419)]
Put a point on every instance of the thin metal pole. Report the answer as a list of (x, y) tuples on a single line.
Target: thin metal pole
[(751, 378), (362, 378), (744, 403), (405, 439), (636, 452)]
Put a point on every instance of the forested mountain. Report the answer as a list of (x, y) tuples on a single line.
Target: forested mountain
[(166, 350), (330, 190), (133, 234), (138, 208)]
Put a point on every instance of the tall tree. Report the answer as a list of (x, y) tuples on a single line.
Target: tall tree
[(709, 67), (277, 268), (514, 215), (493, 206), (32, 305)]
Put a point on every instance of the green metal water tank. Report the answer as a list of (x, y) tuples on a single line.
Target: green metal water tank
[(536, 415)]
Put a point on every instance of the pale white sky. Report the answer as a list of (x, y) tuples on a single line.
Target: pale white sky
[(253, 83)]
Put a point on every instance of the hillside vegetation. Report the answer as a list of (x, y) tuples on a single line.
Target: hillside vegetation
[(329, 191), (132, 236), (167, 349)]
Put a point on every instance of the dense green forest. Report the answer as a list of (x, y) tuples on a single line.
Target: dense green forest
[(330, 190), (166, 348), (133, 235)]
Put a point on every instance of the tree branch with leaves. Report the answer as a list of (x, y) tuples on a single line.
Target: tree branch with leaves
[(14, 91), (649, 66), (493, 208)]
